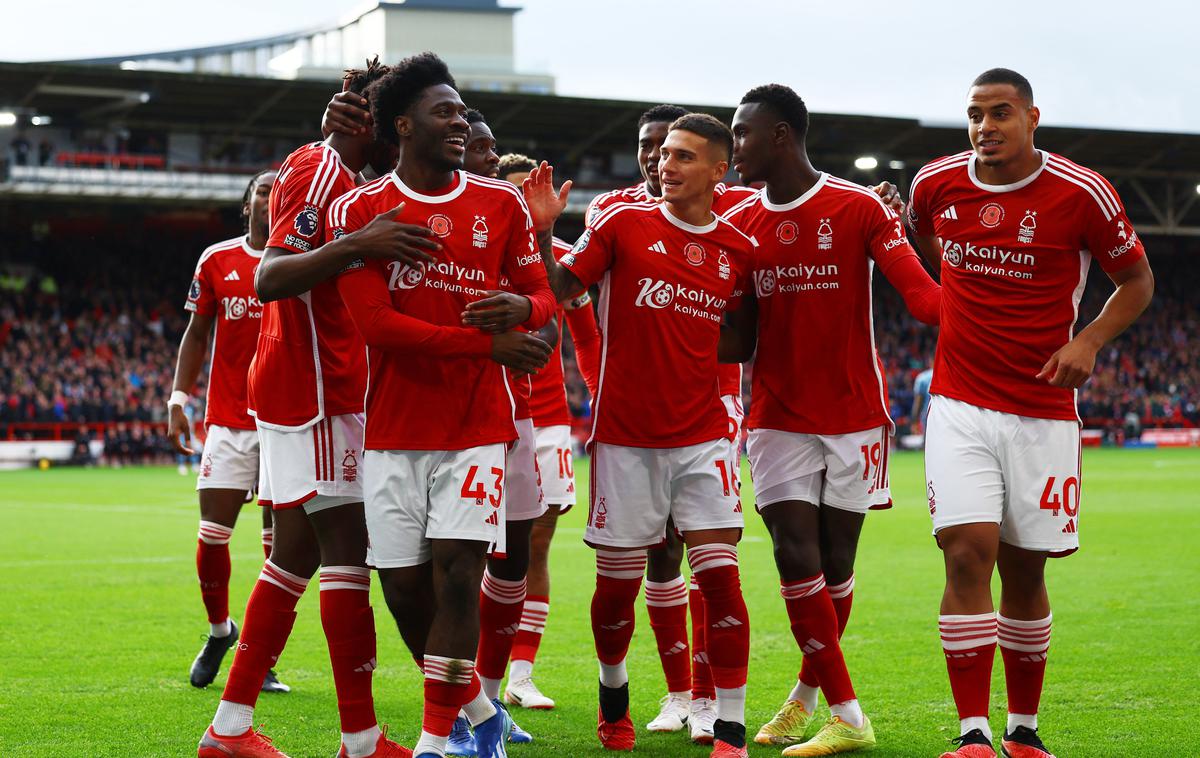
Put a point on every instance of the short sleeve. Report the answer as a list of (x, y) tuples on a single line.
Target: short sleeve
[(201, 298), (886, 238), (341, 219), (1107, 232), (592, 254), (296, 221)]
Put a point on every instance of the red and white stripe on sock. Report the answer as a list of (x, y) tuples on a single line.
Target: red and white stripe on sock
[(727, 625), (534, 614), (969, 643), (666, 605), (501, 604), (1024, 645), (448, 687), (349, 626), (213, 569), (618, 580)]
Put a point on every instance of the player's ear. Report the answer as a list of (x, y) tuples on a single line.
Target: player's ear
[(783, 133), (1035, 116), (403, 126)]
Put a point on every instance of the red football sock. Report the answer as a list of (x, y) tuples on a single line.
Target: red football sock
[(212, 566), (969, 643), (727, 624), (842, 596), (533, 625), (666, 603), (1023, 645), (702, 683), (448, 687), (501, 603), (815, 627), (270, 614), (618, 579), (349, 627)]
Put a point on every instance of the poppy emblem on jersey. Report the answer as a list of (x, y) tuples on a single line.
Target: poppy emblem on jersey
[(991, 215), (479, 232), (824, 235), (307, 221), (402, 276), (787, 232), (723, 265), (764, 282), (440, 225), (693, 253), (1028, 227), (194, 290)]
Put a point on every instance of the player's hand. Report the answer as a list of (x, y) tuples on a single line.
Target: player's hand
[(520, 351), (890, 195), (388, 239), (498, 312), (346, 114), (545, 203), (178, 427), (1070, 366)]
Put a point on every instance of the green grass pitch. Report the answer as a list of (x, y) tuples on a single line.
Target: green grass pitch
[(100, 617)]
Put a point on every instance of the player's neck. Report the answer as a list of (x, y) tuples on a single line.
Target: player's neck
[(257, 238), (696, 211), (351, 150), (1009, 172), (791, 177), (423, 177)]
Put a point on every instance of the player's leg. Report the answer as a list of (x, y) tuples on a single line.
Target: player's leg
[(219, 510), (501, 605), (521, 689), (1023, 628), (666, 605), (630, 505), (707, 508), (268, 530)]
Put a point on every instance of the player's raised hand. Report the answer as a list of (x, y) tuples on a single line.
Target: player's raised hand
[(388, 239), (1070, 366), (346, 114), (179, 430), (520, 351), (498, 312), (545, 203), (890, 195)]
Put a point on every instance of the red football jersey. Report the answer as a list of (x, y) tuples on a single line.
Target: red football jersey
[(729, 377), (422, 402), (664, 285), (310, 362), (1015, 260), (816, 370), (725, 196), (223, 287), (548, 403)]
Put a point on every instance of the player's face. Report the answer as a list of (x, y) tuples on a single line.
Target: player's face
[(690, 166), (481, 158), (754, 141), (650, 142), (259, 205), (436, 128), (1000, 123), (518, 177)]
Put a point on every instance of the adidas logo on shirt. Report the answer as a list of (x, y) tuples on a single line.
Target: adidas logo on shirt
[(232, 276), (950, 213), (658, 247)]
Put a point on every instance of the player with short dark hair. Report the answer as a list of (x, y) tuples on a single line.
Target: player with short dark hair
[(670, 271), (435, 485), (1014, 229), (819, 429), (222, 295), (305, 390)]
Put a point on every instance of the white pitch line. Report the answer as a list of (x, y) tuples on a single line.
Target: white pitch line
[(115, 561)]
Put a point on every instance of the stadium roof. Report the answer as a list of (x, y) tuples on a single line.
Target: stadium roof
[(1157, 173)]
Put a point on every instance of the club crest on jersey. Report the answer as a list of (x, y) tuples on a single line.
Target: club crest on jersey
[(194, 290), (1028, 227), (825, 235), (991, 215), (307, 221), (787, 232), (440, 225), (479, 232), (600, 513), (693, 253), (723, 265)]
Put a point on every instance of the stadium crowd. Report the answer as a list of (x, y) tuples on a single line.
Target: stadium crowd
[(85, 340)]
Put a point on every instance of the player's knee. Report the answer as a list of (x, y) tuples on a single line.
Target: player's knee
[(968, 561), (837, 564), (663, 563)]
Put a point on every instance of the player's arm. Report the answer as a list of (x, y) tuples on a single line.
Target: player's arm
[(282, 273), (581, 320), (364, 291), (192, 347), (887, 244), (918, 219), (739, 332), (545, 206), (549, 333), (918, 402), (1072, 364), (930, 248)]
